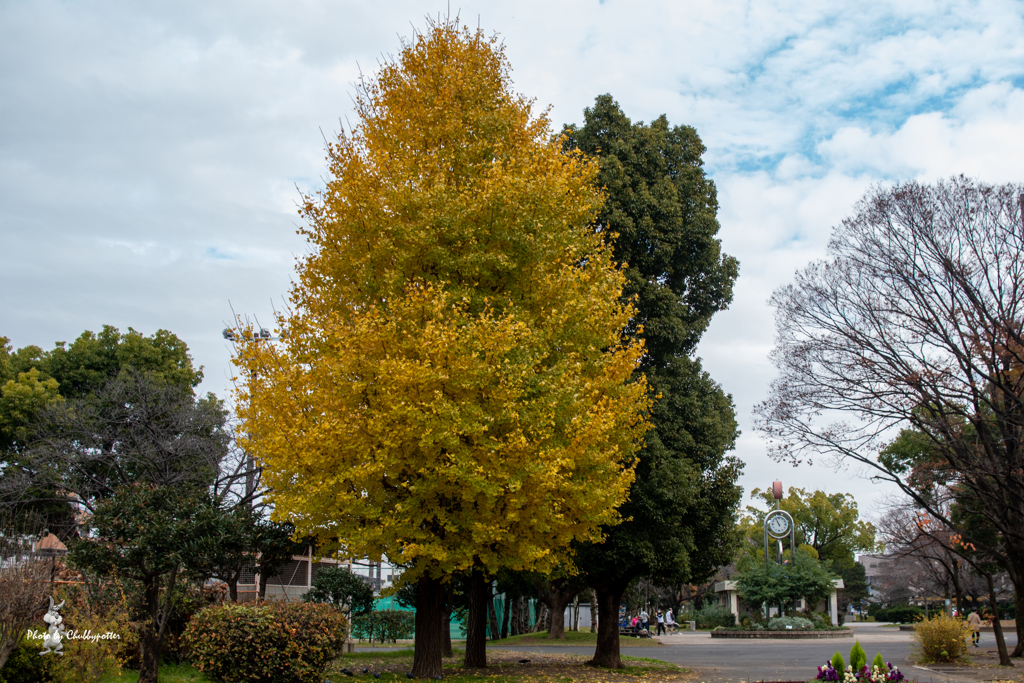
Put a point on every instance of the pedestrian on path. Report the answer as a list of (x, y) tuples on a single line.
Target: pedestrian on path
[(670, 621), (661, 623), (644, 619), (974, 621)]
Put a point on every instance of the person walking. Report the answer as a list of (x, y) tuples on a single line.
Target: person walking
[(670, 621), (974, 621), (661, 624), (645, 619)]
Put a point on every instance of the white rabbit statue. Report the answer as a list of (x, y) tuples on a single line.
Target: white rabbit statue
[(51, 643)]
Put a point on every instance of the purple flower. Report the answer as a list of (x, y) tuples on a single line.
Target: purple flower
[(827, 673)]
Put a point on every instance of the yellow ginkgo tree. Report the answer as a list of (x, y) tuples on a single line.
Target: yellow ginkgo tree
[(452, 389)]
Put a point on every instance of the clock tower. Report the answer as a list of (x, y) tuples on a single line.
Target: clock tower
[(777, 526)]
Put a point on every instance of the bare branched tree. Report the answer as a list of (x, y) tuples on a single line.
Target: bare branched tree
[(914, 320), (135, 429), (926, 558), (24, 582), (934, 553)]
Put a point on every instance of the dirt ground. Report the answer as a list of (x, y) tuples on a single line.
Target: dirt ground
[(982, 667)]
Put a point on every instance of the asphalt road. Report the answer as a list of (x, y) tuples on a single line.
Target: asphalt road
[(722, 660)]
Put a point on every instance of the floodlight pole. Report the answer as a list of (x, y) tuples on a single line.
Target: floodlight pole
[(250, 464)]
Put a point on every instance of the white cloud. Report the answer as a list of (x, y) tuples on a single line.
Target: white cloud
[(982, 135)]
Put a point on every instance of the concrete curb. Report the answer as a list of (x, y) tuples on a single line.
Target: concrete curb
[(785, 635)]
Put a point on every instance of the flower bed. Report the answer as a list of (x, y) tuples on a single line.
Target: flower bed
[(836, 670)]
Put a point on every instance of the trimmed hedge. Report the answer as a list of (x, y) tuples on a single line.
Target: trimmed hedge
[(711, 616), (899, 614), (267, 642), (386, 625)]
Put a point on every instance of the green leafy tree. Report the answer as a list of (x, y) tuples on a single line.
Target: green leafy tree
[(274, 544), (661, 212), (855, 589), (340, 587), (148, 534), (244, 541), (20, 400), (93, 359), (134, 428), (829, 523), (771, 584), (35, 387)]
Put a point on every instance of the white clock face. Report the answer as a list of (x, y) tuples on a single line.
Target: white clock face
[(778, 525)]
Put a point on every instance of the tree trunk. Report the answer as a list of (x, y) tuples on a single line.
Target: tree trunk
[(430, 607), (1018, 612), (446, 622), (149, 638), (556, 594), (233, 589), (261, 593), (476, 626), (958, 588), (493, 614), (593, 611), (7, 649), (997, 627), (607, 652), (558, 602), (542, 617), (505, 618), (517, 618)]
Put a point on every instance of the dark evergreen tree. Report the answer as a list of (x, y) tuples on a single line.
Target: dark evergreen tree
[(339, 586), (661, 209)]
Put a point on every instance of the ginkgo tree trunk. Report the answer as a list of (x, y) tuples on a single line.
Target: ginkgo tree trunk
[(453, 389)]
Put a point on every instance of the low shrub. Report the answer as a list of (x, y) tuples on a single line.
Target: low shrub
[(820, 619), (24, 665), (858, 658), (386, 625), (268, 642), (103, 613), (879, 663), (790, 623), (837, 662), (941, 638)]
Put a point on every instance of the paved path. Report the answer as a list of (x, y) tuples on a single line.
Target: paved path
[(726, 660)]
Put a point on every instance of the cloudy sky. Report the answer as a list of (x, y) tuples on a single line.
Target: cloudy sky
[(152, 154)]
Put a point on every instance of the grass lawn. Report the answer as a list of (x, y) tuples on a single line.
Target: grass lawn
[(169, 673), (580, 638), (503, 667), (509, 667)]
